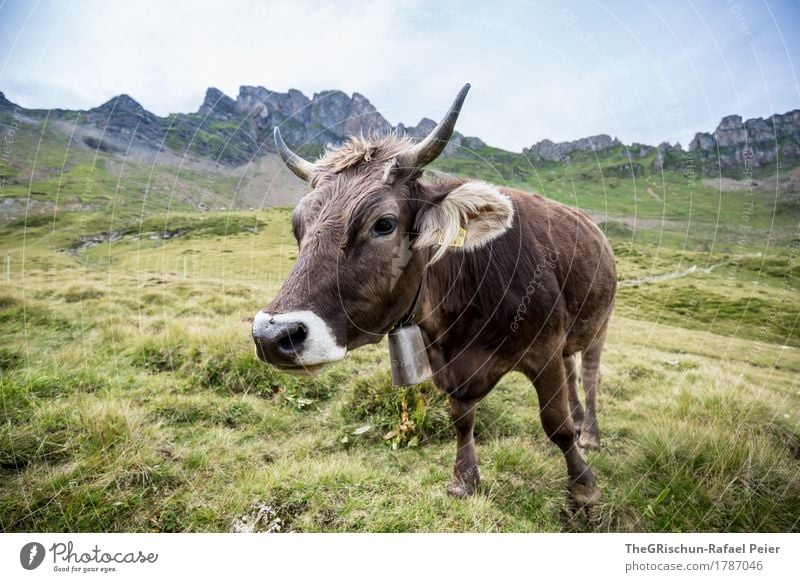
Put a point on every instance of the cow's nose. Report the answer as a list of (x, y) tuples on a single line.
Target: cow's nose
[(278, 342)]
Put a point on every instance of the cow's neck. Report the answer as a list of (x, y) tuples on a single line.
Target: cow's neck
[(462, 284)]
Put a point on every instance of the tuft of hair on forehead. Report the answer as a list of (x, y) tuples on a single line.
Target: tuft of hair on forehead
[(358, 150)]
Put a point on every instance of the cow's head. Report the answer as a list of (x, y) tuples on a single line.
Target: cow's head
[(365, 233)]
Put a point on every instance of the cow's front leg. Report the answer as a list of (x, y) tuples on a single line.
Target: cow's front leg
[(466, 379), (465, 473)]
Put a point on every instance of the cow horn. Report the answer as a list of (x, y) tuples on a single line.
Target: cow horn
[(301, 168), (429, 148)]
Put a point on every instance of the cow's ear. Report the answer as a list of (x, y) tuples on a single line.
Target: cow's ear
[(467, 218)]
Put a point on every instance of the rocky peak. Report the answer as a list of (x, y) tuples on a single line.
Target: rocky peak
[(595, 143), (125, 116), (737, 144), (730, 131), (364, 118), (121, 104), (456, 144), (338, 115), (426, 126), (217, 104), (5, 103), (330, 111), (329, 116), (263, 104), (733, 132), (554, 152), (702, 141), (730, 122), (419, 131)]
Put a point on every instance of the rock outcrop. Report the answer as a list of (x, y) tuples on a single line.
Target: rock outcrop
[(125, 117), (328, 117), (746, 145), (310, 124), (455, 146), (217, 105), (735, 147), (5, 103), (667, 157), (546, 150), (235, 131)]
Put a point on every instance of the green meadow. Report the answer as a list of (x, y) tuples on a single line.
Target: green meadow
[(131, 399)]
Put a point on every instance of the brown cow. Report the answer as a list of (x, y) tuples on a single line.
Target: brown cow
[(532, 284)]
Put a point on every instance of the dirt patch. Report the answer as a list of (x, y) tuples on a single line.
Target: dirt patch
[(679, 274), (730, 185), (637, 222)]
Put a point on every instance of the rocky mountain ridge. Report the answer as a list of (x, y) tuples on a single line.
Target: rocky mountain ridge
[(547, 150), (754, 143), (734, 145), (235, 131)]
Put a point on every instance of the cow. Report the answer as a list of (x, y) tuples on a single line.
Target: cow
[(498, 280)]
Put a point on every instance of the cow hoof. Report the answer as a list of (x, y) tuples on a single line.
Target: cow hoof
[(584, 495), (460, 489), (588, 441)]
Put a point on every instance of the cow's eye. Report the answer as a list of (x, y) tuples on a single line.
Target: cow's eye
[(384, 226)]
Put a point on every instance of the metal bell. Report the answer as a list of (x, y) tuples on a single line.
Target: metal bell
[(410, 363)]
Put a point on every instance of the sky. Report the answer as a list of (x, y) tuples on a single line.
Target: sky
[(642, 71)]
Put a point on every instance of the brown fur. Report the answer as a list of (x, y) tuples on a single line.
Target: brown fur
[(527, 301), (359, 150)]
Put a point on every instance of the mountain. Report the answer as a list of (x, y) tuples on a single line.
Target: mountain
[(735, 148), (546, 150), (756, 142), (233, 132), (119, 156)]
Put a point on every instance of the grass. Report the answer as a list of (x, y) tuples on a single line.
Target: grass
[(132, 401), (661, 208)]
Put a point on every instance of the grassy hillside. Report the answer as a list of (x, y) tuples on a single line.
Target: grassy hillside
[(672, 208), (57, 166), (131, 398)]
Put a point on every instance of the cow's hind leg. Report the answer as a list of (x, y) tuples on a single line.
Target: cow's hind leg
[(572, 391), (465, 473), (590, 373), (551, 388)]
